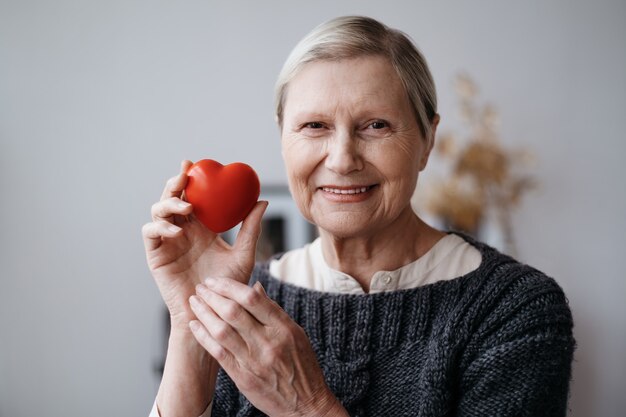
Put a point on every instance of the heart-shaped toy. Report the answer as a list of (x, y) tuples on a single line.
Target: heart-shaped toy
[(221, 195)]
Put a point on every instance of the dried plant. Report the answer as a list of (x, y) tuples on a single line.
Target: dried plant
[(484, 179)]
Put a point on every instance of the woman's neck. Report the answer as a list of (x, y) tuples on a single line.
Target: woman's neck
[(387, 249)]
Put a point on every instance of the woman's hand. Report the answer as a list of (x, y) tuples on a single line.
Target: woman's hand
[(181, 251), (266, 354)]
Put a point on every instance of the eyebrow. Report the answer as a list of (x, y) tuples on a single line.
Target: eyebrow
[(382, 112), (310, 115)]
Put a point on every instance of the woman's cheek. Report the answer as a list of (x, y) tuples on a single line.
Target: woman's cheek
[(300, 156), (294, 157), (399, 157), (303, 155)]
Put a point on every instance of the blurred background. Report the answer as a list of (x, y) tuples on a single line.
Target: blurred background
[(101, 100)]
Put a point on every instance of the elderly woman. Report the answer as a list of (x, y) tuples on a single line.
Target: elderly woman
[(382, 315)]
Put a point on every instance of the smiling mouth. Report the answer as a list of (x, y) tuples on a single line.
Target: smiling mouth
[(347, 190)]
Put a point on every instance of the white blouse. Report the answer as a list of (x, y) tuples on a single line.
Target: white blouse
[(306, 267)]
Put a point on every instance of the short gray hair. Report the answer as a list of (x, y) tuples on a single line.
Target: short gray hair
[(356, 36)]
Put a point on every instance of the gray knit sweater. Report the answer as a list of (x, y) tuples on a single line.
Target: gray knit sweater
[(495, 342)]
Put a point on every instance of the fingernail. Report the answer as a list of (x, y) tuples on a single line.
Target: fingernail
[(174, 228), (259, 287), (193, 300), (183, 205), (194, 325), (209, 281)]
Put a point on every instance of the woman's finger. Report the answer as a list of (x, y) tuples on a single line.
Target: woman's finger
[(164, 209), (220, 331), (175, 186), (154, 232), (255, 301), (226, 359), (207, 342), (231, 312), (251, 228)]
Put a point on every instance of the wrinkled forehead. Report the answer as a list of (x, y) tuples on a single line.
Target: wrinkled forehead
[(357, 83)]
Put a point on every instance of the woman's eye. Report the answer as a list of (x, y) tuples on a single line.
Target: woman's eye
[(314, 125), (378, 125)]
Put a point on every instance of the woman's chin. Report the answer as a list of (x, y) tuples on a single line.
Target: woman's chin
[(343, 225)]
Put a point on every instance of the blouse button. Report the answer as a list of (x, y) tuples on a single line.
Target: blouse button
[(387, 279)]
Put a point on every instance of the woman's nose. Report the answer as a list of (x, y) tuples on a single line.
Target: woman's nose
[(343, 155)]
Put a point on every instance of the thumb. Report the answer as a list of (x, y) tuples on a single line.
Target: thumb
[(251, 228)]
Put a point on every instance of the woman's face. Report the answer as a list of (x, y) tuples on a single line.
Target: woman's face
[(351, 144)]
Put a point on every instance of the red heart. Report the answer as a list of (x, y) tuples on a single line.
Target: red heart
[(222, 196)]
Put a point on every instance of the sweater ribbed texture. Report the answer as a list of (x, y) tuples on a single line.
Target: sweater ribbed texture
[(495, 342)]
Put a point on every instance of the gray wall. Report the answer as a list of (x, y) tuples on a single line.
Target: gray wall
[(99, 101)]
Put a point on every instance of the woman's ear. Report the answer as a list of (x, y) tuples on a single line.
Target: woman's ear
[(430, 141)]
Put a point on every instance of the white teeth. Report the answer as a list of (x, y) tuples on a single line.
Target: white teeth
[(349, 191)]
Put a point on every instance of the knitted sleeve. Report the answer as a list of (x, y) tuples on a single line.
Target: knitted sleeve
[(518, 362)]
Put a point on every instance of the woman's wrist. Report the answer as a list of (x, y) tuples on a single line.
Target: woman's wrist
[(183, 344), (180, 318), (189, 377), (179, 327), (327, 406), (333, 408), (181, 337)]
